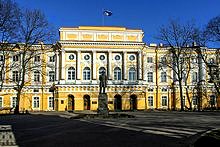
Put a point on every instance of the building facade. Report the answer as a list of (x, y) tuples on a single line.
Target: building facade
[(69, 76)]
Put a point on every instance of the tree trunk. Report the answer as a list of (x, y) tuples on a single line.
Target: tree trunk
[(188, 99), (181, 96), (18, 102)]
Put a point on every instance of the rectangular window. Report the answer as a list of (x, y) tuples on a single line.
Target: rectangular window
[(14, 102), (15, 58), (163, 77), (149, 59), (15, 76), (1, 76), (184, 101), (36, 76), (150, 89), (164, 89), (150, 101), (1, 57), (51, 102), (1, 102), (150, 76), (194, 100), (37, 59), (36, 102), (52, 59), (212, 100), (194, 77), (164, 100), (52, 76)]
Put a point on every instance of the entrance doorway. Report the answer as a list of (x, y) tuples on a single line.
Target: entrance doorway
[(117, 102), (71, 102), (133, 102), (86, 99)]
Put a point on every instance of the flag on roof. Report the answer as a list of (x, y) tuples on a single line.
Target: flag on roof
[(107, 13)]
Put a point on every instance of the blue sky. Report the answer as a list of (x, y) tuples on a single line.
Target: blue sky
[(147, 15)]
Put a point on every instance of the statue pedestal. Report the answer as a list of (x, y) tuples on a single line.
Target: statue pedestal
[(103, 104)]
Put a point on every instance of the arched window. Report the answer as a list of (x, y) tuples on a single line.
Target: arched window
[(71, 73), (86, 73), (132, 74), (117, 73), (101, 69)]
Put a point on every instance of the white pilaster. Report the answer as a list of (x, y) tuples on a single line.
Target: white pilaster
[(57, 68), (110, 76), (94, 64), (78, 65), (144, 67), (63, 65), (139, 65), (124, 65)]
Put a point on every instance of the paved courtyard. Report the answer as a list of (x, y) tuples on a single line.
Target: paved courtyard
[(145, 129)]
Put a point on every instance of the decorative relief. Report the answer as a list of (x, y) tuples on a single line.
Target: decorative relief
[(132, 38), (71, 36), (102, 37), (117, 37), (87, 37)]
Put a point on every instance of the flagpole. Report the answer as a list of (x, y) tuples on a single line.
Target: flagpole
[(103, 17)]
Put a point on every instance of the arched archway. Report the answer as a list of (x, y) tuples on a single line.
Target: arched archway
[(71, 102), (117, 102), (133, 102), (86, 99)]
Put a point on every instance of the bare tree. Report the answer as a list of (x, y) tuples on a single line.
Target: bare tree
[(178, 37), (9, 18), (213, 29), (33, 28)]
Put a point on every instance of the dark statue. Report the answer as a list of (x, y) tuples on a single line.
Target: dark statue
[(103, 82)]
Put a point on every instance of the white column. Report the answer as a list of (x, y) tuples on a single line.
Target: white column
[(139, 66), (63, 65), (94, 64), (57, 67), (110, 76), (78, 65), (202, 69), (145, 67), (124, 65)]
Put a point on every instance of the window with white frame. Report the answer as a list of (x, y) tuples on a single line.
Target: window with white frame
[(194, 77), (150, 77), (37, 59), (211, 60), (132, 74), (1, 76), (149, 59), (150, 101), (13, 102), (1, 102), (15, 58), (164, 100), (51, 76), (36, 76), (1, 57), (86, 73), (184, 101), (117, 73), (71, 73), (194, 100), (36, 102), (163, 77), (15, 76), (52, 59), (164, 89), (50, 102), (212, 100)]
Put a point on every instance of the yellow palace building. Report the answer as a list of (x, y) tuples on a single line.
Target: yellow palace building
[(73, 66)]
